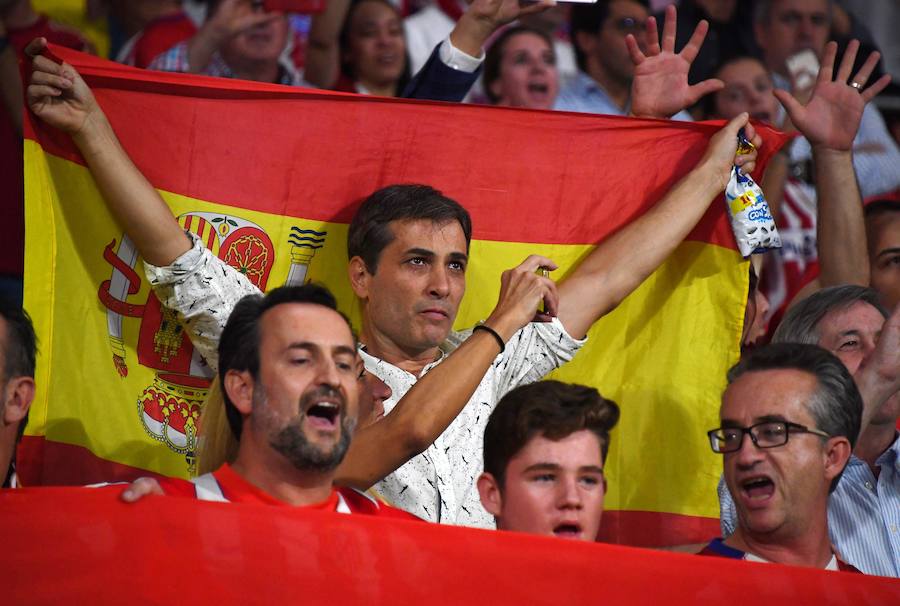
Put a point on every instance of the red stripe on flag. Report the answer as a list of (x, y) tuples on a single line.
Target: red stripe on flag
[(42, 462), (654, 529), (314, 154), (86, 546)]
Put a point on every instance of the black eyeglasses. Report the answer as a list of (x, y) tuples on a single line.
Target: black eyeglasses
[(767, 434)]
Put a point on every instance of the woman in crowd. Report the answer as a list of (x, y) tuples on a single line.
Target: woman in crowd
[(358, 46), (520, 69)]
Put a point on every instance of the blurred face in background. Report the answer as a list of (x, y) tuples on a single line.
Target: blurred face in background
[(528, 76), (793, 26), (261, 43), (748, 88), (375, 46), (883, 231)]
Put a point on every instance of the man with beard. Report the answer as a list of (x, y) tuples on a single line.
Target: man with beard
[(289, 373)]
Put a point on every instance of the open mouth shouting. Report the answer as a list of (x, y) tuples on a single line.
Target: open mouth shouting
[(757, 490), (568, 530), (323, 409)]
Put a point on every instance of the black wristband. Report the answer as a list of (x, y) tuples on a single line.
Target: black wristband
[(493, 332)]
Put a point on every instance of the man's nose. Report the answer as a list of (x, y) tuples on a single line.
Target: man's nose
[(569, 495), (440, 282)]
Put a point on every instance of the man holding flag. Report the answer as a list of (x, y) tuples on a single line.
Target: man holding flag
[(409, 249)]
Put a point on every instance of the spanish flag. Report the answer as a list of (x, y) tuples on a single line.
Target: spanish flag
[(269, 178)]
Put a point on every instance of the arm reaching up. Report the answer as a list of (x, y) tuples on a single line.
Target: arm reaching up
[(60, 98), (830, 121), (620, 263)]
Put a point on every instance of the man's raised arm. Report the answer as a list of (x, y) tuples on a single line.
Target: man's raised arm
[(621, 262), (60, 98)]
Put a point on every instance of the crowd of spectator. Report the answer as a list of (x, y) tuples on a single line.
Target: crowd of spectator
[(459, 428)]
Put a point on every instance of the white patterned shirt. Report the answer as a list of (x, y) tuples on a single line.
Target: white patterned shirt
[(437, 485)]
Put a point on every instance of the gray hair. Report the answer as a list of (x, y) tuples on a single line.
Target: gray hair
[(801, 322), (836, 407)]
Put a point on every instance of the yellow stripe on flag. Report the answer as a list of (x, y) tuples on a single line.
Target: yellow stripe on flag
[(630, 352)]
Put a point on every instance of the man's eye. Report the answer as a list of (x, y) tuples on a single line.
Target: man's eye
[(299, 361), (417, 261), (772, 432), (731, 435), (544, 477), (457, 266), (590, 480), (849, 344)]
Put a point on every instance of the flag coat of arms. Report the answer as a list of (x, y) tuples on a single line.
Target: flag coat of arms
[(269, 177)]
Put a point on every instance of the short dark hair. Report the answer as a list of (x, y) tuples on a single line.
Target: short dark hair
[(19, 346), (837, 405), (239, 344), (494, 56), (547, 408), (589, 18), (801, 322), (370, 230), (878, 206)]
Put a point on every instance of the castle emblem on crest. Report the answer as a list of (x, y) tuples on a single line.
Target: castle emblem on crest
[(169, 408)]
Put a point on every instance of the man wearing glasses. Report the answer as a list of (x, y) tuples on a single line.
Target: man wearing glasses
[(789, 420), (864, 509), (606, 65)]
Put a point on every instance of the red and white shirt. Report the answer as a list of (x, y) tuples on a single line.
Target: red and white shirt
[(225, 486)]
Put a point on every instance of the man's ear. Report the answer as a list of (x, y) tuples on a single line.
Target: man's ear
[(239, 387), (359, 277), (837, 453), (18, 396), (489, 491)]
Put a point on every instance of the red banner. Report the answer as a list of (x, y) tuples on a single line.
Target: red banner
[(65, 545)]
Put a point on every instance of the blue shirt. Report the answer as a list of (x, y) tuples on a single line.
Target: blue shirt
[(583, 94), (863, 514)]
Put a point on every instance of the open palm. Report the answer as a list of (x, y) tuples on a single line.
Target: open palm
[(660, 87), (831, 118)]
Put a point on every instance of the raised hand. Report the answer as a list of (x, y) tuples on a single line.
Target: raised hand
[(832, 116), (483, 17), (57, 94), (232, 17), (521, 291), (720, 153), (660, 87)]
